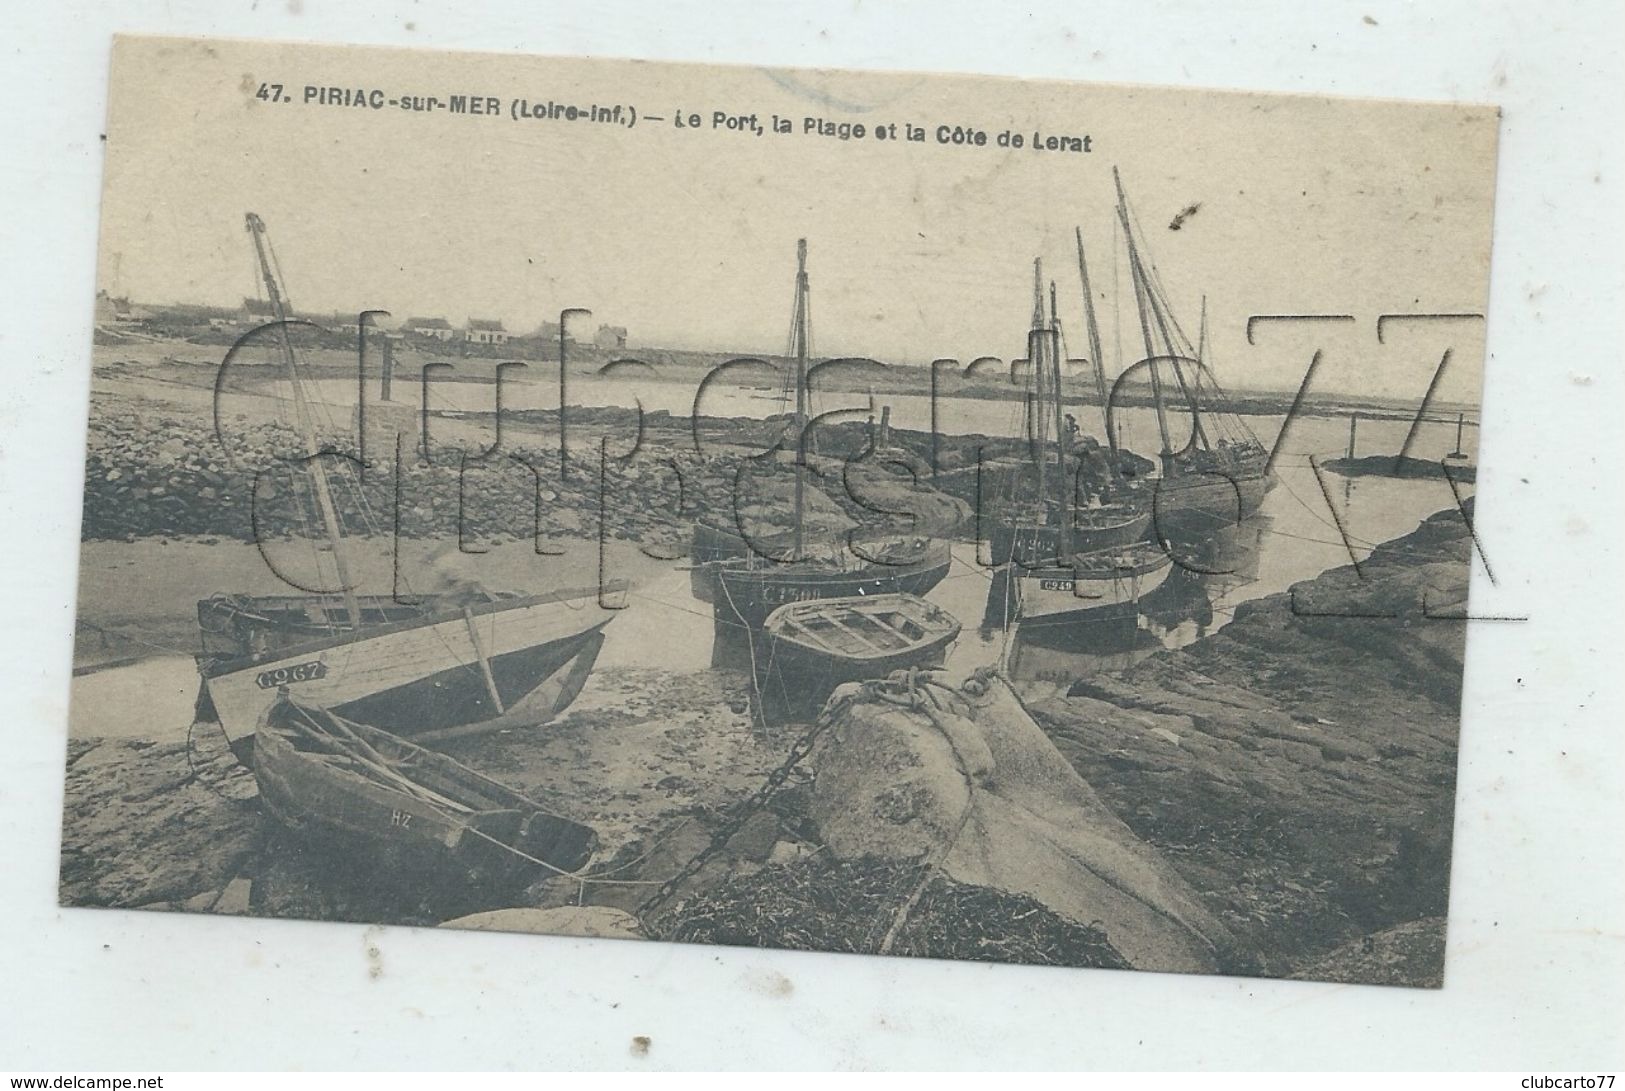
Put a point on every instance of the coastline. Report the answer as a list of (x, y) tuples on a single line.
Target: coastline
[(1227, 756)]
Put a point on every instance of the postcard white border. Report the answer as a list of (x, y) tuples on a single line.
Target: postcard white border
[(1536, 967)]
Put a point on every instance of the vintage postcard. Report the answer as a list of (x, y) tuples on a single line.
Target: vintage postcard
[(868, 512)]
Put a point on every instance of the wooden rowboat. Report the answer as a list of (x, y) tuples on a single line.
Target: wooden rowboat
[(420, 815), (811, 647)]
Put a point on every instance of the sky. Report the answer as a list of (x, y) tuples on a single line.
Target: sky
[(687, 236)]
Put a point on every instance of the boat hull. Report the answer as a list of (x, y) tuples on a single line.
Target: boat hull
[(423, 675), (1053, 596), (1009, 540), (411, 840), (797, 672), (747, 592), (1196, 506)]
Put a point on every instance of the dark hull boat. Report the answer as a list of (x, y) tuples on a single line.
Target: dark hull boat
[(712, 544), (811, 647), (1222, 473), (1110, 526), (418, 816), (1053, 570), (1093, 588), (714, 547), (745, 581), (438, 671), (1030, 539), (751, 589), (1195, 505)]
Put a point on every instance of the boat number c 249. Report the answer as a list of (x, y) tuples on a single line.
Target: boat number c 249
[(299, 672)]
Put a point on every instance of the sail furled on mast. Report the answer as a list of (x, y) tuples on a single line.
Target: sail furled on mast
[(1169, 353)]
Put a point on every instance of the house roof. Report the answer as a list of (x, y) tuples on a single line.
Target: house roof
[(427, 324), (492, 324)]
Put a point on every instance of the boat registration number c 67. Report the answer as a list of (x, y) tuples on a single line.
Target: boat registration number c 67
[(284, 676)]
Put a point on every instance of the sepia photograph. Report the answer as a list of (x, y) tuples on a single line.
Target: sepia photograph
[(891, 514)]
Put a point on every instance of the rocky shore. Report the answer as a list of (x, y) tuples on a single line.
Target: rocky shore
[(1296, 770), (152, 471), (1298, 767)]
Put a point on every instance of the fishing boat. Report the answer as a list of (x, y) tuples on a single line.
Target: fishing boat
[(1221, 473), (442, 665), (1044, 578), (811, 647), (750, 589), (416, 814), (745, 582), (436, 671), (1026, 534), (1102, 506), (1094, 587)]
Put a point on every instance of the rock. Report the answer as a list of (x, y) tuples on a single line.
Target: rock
[(787, 852), (1307, 826), (756, 838), (124, 796), (1407, 954), (970, 783), (595, 921), (234, 899)]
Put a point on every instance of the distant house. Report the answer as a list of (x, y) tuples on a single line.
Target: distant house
[(116, 310), (610, 337), (485, 331), (437, 328), (257, 312), (350, 322)]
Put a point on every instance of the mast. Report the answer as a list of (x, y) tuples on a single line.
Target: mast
[(798, 338), (307, 428), (1063, 480), (1038, 415), (1173, 338), (1201, 336), (1201, 359), (1096, 354), (1141, 290)]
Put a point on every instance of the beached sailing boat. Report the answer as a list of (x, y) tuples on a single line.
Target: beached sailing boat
[(1106, 506), (1221, 473), (746, 583), (1046, 579), (445, 665)]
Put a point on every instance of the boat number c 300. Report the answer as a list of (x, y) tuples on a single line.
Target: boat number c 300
[(299, 672)]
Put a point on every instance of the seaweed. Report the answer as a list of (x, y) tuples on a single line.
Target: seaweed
[(848, 906)]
